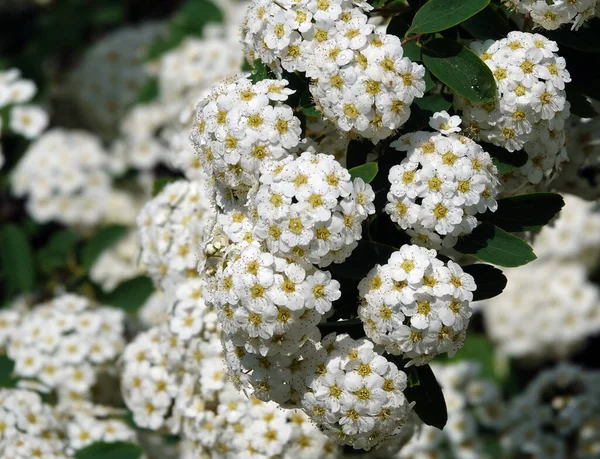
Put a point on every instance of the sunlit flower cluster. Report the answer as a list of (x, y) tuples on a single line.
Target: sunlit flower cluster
[(553, 14), (117, 264)]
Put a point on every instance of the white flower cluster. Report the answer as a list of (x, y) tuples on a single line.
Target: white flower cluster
[(531, 107), (171, 227), (581, 174), (241, 128), (117, 264), (109, 77), (416, 305), (475, 408), (64, 174), (155, 311), (557, 416), (360, 79), (552, 14), (66, 343), (443, 183), (30, 428)]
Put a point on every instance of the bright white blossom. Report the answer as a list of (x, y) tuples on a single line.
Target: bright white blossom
[(552, 15)]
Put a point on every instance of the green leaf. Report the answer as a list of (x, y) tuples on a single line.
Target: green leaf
[(17, 260), (364, 257), (525, 212), (117, 450), (433, 103), (55, 253), (480, 349), (7, 366), (460, 69), (367, 172), (487, 24), (427, 394), (438, 15), (103, 240), (149, 92), (129, 295), (160, 183), (494, 245), (490, 281), (412, 51), (259, 71)]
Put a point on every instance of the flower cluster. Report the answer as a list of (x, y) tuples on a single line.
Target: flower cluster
[(240, 128), (415, 305), (66, 343), (109, 77), (171, 227), (531, 107), (25, 119), (442, 184), (551, 15), (557, 415), (474, 406), (65, 176)]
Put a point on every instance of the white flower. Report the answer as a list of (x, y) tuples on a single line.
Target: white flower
[(443, 122)]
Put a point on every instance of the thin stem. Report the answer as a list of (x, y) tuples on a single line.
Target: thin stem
[(413, 38)]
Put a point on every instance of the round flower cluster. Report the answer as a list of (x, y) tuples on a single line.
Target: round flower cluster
[(65, 176), (66, 343), (442, 184), (551, 15), (30, 428), (155, 311), (581, 174), (361, 81), (171, 227), (117, 264), (109, 77), (24, 119), (474, 406), (557, 416), (240, 128), (531, 107), (354, 394), (415, 305), (554, 298)]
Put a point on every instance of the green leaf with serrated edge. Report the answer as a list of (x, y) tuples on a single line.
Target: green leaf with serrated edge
[(363, 258), (129, 295), (367, 172), (17, 259), (494, 245), (103, 240), (160, 183), (525, 212), (117, 450), (433, 103), (460, 69), (490, 281), (430, 404), (487, 24), (437, 15)]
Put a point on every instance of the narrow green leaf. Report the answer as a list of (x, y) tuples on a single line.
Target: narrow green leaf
[(430, 404), (364, 257), (437, 15), (433, 103), (129, 295), (367, 172), (487, 24), (494, 245), (490, 281), (117, 450), (526, 212), (104, 239), (460, 69), (17, 259), (160, 183)]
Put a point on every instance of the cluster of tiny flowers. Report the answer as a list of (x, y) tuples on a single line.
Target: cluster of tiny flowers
[(171, 227), (117, 264), (25, 119), (557, 417), (29, 427), (531, 107), (240, 128), (474, 406), (108, 79), (415, 305), (581, 174), (442, 184), (65, 177), (552, 14), (154, 311), (355, 395), (66, 343)]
